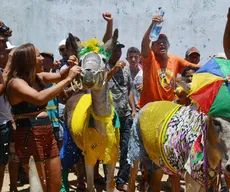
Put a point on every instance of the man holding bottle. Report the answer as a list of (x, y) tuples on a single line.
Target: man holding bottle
[(160, 71)]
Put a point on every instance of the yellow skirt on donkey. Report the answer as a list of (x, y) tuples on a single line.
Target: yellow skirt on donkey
[(94, 145)]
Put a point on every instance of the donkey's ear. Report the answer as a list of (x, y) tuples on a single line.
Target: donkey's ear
[(110, 44), (76, 45)]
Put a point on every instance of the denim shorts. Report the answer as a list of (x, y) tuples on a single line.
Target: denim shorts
[(5, 138)]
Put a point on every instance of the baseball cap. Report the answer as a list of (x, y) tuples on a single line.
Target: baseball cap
[(161, 36), (191, 51), (119, 45), (220, 55), (48, 54), (63, 42), (9, 46)]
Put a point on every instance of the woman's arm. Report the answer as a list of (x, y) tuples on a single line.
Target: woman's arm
[(49, 78), (226, 41), (23, 92)]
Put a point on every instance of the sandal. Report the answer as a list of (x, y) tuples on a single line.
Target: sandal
[(81, 185)]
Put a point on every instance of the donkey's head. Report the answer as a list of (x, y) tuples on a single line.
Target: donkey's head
[(93, 58), (221, 126)]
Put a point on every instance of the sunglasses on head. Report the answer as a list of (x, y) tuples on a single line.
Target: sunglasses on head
[(3, 29)]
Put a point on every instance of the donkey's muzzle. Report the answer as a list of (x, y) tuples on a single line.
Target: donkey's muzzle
[(88, 78)]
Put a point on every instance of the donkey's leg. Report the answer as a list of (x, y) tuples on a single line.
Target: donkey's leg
[(155, 182), (132, 177), (110, 183), (202, 189), (175, 183), (90, 177), (190, 184)]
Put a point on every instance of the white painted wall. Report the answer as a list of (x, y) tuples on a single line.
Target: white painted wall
[(45, 23)]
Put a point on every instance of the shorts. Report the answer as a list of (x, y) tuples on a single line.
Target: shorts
[(5, 138), (34, 137)]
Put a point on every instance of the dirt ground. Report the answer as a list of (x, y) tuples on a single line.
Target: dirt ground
[(72, 181)]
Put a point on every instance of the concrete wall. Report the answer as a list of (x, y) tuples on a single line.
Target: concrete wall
[(45, 23)]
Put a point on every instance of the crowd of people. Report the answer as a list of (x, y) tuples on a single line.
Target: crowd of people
[(34, 89)]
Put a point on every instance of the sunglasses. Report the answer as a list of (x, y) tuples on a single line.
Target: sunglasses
[(4, 29), (62, 49)]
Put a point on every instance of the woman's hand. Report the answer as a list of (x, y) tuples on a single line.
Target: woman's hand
[(73, 60), (73, 72)]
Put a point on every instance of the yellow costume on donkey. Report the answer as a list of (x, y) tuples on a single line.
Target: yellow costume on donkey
[(94, 145)]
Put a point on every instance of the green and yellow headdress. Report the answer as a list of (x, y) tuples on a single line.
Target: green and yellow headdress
[(93, 45)]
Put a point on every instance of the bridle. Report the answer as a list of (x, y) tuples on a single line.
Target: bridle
[(99, 75)]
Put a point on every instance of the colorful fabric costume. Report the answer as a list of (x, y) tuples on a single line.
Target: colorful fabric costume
[(173, 135), (182, 144)]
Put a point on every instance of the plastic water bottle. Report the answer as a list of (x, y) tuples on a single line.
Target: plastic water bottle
[(156, 29)]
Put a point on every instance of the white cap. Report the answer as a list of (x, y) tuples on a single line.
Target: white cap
[(220, 55), (62, 42), (9, 46)]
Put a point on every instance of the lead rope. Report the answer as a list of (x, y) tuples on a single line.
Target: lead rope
[(205, 155), (219, 179)]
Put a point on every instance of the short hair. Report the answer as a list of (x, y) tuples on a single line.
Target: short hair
[(133, 50), (187, 69)]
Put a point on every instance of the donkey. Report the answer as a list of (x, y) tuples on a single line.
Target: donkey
[(173, 138), (100, 141)]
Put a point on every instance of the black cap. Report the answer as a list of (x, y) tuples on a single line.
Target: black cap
[(119, 45)]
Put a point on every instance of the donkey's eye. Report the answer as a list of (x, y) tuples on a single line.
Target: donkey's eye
[(80, 63), (216, 123), (104, 60)]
